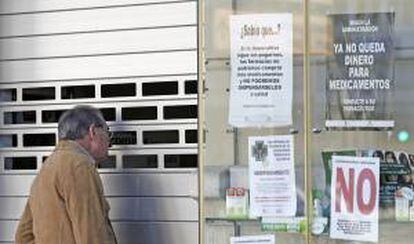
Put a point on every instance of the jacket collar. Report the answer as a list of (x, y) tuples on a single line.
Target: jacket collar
[(74, 146)]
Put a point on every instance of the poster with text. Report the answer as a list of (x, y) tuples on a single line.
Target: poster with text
[(260, 239), (360, 71), (261, 70), (354, 198), (272, 176)]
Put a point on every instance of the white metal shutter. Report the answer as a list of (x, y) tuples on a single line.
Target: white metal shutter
[(136, 60)]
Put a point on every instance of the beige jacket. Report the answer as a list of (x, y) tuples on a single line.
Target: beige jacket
[(66, 203)]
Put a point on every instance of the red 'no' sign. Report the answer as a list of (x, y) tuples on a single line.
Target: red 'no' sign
[(348, 191)]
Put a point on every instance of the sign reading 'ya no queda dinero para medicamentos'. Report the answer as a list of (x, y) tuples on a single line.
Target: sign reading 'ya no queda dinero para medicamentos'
[(360, 71), (261, 70)]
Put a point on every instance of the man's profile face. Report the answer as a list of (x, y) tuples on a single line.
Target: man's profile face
[(100, 142)]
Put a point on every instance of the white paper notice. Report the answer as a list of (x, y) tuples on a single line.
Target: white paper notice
[(272, 176), (263, 239), (261, 70), (354, 198)]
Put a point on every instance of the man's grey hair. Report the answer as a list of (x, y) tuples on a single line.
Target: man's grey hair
[(74, 124)]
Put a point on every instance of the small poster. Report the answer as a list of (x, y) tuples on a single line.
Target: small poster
[(261, 70), (360, 71), (237, 203), (355, 198), (284, 224), (272, 176), (395, 173), (262, 239)]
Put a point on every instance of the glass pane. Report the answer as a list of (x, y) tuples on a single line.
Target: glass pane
[(39, 140), (160, 88), (8, 140), (109, 163), (75, 92), (181, 161), (119, 90), (360, 73), (239, 63), (124, 138), (191, 136), (108, 114), (160, 137), (20, 163), (21, 117), (139, 113), (51, 116), (8, 95), (180, 112), (191, 87), (139, 161), (40, 93)]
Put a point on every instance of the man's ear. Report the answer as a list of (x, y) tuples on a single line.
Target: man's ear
[(91, 132)]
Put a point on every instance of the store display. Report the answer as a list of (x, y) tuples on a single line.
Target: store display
[(344, 89)]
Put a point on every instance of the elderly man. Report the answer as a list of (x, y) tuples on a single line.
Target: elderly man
[(66, 203)]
